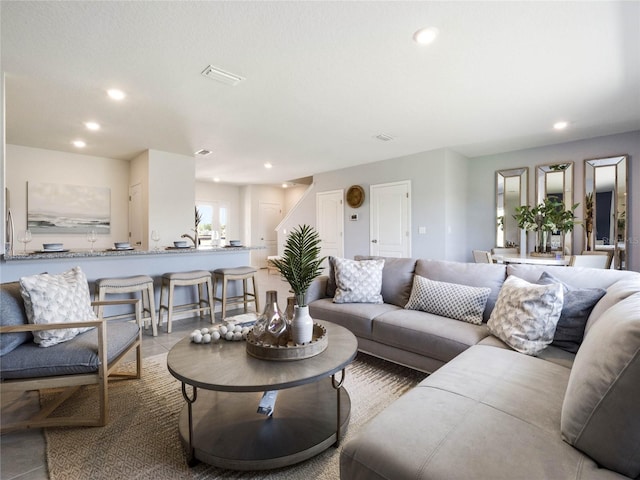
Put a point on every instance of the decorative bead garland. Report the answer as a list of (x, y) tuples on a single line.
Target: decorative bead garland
[(228, 331)]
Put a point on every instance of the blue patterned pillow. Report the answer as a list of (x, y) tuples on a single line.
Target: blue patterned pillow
[(460, 302), (358, 281)]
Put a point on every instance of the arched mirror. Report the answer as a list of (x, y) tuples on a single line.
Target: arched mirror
[(511, 192), (605, 207), (556, 180)]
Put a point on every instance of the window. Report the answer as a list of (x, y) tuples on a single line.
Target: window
[(214, 222)]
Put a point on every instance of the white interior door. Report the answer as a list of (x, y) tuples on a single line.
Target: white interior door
[(136, 232), (270, 217), (390, 220), (330, 223)]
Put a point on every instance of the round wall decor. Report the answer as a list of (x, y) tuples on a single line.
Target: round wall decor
[(355, 196)]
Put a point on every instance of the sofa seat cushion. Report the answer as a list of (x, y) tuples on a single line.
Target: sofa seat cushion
[(78, 355), (427, 334), (356, 317), (488, 414), (552, 354), (472, 274)]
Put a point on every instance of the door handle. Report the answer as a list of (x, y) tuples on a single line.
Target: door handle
[(374, 241)]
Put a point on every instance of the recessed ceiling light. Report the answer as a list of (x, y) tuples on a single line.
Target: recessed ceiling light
[(116, 94), (92, 125), (79, 143), (425, 36), (216, 179), (284, 185), (267, 165), (560, 125)]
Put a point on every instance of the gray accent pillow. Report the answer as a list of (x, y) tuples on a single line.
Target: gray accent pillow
[(451, 300), (358, 281), (12, 313), (62, 298), (578, 303), (526, 314), (601, 410)]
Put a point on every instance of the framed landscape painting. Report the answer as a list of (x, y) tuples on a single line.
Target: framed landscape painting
[(56, 208)]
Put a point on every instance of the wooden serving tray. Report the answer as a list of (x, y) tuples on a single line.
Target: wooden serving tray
[(290, 351)]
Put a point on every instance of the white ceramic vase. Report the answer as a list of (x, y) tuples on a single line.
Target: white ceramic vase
[(301, 325)]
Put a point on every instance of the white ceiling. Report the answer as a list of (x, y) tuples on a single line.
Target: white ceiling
[(322, 79)]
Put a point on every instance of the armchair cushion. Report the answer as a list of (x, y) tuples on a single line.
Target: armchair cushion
[(79, 355), (12, 313), (62, 298)]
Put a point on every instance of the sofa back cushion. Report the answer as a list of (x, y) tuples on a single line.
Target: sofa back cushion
[(397, 278), (12, 313), (615, 293), (579, 277), (472, 274), (601, 409)]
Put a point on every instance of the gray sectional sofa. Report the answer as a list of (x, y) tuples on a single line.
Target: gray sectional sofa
[(486, 410)]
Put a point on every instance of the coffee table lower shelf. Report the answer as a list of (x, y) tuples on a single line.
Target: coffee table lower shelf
[(228, 433)]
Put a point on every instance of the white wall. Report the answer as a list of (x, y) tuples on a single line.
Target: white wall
[(26, 164), (429, 176), (172, 185), (481, 191)]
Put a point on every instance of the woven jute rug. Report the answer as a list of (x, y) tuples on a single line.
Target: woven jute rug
[(141, 440)]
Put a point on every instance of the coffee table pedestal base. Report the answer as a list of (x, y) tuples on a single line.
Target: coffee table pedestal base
[(228, 433)]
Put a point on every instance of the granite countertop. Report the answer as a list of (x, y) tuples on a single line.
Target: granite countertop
[(40, 255)]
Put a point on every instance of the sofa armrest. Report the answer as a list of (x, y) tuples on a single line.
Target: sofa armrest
[(317, 289)]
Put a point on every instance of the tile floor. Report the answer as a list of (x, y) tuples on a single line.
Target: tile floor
[(22, 454)]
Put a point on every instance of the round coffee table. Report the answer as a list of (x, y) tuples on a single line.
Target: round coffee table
[(220, 425)]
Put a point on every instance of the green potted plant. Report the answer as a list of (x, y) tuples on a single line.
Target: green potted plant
[(300, 264), (545, 218)]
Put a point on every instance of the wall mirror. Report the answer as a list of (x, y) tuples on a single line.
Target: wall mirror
[(605, 207), (511, 192), (556, 180)]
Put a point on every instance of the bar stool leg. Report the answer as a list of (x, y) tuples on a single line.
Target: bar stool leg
[(170, 307), (151, 304), (211, 301), (224, 297), (255, 294)]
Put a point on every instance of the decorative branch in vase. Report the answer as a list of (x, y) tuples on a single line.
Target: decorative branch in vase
[(300, 264)]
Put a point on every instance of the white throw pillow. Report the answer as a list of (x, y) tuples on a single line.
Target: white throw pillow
[(526, 315), (62, 298), (358, 281), (460, 302)]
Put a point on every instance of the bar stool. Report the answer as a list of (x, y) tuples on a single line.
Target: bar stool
[(199, 278), (138, 283), (237, 273)]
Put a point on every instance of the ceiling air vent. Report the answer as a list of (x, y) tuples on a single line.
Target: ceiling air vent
[(220, 75), (203, 152), (384, 137)]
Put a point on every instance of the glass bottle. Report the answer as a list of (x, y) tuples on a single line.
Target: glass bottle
[(271, 328), (289, 311)]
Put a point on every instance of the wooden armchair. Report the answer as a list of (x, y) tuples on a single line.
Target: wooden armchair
[(107, 345)]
